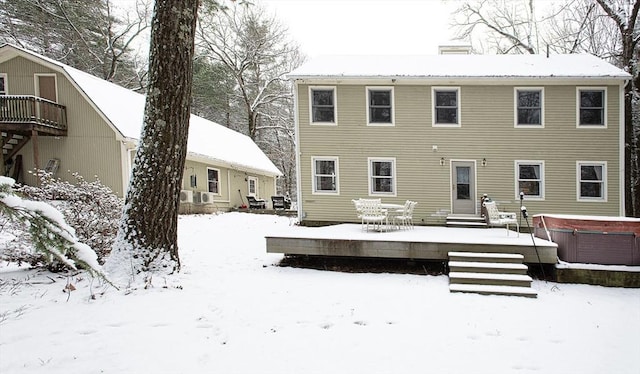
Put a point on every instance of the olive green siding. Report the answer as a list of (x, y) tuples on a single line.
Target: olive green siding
[(233, 184), (487, 131), (90, 148), (93, 148)]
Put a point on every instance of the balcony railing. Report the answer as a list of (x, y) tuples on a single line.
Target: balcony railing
[(39, 113)]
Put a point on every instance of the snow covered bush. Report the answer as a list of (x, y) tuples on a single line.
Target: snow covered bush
[(50, 234), (91, 208)]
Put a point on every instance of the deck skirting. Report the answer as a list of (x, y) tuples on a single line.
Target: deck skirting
[(420, 243)]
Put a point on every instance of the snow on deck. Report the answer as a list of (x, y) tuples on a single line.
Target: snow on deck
[(434, 234)]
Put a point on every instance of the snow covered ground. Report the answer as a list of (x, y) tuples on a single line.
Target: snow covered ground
[(236, 312)]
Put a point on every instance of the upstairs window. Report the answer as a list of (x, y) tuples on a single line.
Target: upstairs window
[(591, 107), (446, 106), (530, 179), (213, 179), (529, 107), (382, 176), (3, 84), (325, 175), (380, 106), (323, 105), (592, 177)]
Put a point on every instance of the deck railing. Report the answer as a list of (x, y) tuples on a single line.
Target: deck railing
[(24, 109)]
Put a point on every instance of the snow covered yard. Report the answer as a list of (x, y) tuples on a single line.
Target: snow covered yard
[(231, 310)]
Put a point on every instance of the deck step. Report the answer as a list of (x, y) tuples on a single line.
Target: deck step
[(486, 257), (516, 280), (487, 267), (494, 290), (465, 220), (489, 274)]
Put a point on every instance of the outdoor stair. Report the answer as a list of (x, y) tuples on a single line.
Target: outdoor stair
[(12, 143), (489, 274), (465, 220)]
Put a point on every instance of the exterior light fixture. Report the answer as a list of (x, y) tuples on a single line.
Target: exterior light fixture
[(484, 162), (442, 161)]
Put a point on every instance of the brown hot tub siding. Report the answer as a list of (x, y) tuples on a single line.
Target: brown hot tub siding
[(606, 242)]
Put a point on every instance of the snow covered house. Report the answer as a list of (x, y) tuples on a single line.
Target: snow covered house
[(444, 130), (56, 117)]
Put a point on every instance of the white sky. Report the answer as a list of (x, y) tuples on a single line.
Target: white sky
[(365, 27)]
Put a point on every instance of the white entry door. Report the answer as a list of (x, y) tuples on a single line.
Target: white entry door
[(463, 189)]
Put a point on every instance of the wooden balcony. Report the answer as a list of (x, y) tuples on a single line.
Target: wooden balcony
[(23, 115), (24, 118)]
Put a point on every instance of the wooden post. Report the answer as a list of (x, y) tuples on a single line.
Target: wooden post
[(34, 139)]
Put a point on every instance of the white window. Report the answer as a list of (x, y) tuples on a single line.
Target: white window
[(213, 180), (592, 181), (446, 106), (382, 176), (530, 179), (591, 107), (529, 107), (325, 175), (252, 186), (4, 90), (380, 106), (322, 102)]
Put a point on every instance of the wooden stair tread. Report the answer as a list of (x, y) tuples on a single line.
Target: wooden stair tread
[(514, 256), (514, 277), (495, 290), (487, 265)]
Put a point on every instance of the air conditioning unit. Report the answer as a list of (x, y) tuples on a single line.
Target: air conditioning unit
[(186, 196), (206, 198)]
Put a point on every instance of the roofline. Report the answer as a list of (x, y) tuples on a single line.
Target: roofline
[(60, 67), (625, 77), (198, 157)]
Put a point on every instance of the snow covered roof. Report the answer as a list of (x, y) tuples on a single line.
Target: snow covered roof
[(582, 66), (124, 109)]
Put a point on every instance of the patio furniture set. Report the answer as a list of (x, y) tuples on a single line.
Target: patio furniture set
[(375, 213)]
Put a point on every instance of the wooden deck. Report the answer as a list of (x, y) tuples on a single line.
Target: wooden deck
[(428, 243)]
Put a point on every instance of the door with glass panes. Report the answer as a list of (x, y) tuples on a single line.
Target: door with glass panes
[(463, 189)]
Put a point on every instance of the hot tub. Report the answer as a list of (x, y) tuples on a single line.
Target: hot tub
[(592, 239)]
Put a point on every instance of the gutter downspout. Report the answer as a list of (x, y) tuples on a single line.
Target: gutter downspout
[(298, 153), (621, 162)]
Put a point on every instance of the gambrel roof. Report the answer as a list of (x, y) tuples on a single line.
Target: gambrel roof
[(123, 109)]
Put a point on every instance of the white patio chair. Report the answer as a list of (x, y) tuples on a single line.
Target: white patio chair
[(498, 218), (405, 215), (372, 213)]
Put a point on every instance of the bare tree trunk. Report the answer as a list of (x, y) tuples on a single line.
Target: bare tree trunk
[(147, 237), (629, 43)]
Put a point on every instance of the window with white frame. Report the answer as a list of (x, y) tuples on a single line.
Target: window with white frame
[(591, 107), (529, 107), (3, 84), (446, 106), (325, 175), (382, 180), (530, 179), (323, 105), (213, 180), (252, 186), (380, 105), (592, 181)]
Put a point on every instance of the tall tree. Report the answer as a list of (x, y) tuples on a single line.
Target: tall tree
[(213, 95), (84, 34), (147, 236), (624, 15), (255, 49)]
